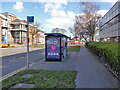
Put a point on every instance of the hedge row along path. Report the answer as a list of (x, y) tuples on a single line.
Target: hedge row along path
[(109, 54)]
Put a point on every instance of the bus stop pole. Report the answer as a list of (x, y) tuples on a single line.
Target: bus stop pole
[(27, 42)]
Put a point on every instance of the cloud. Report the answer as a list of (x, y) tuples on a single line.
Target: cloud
[(102, 12), (108, 0), (55, 8), (51, 1), (36, 7), (61, 22), (18, 6), (59, 17)]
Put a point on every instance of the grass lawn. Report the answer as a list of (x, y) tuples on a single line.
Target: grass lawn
[(43, 79), (74, 48)]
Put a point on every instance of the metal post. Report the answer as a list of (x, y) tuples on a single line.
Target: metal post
[(27, 42)]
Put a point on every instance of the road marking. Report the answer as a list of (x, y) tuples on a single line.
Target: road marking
[(14, 72)]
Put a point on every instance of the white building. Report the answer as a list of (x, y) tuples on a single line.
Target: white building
[(42, 37), (5, 28)]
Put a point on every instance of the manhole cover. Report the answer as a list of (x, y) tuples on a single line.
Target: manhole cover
[(23, 85), (28, 75)]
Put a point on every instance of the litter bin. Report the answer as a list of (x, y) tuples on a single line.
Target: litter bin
[(55, 46)]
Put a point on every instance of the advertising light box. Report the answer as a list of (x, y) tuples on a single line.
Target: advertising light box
[(53, 47)]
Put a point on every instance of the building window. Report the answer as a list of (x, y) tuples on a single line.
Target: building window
[(3, 36), (3, 39), (19, 37), (23, 37), (8, 36), (2, 22), (16, 36)]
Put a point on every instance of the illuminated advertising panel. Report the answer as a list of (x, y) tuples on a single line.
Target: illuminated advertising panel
[(53, 47)]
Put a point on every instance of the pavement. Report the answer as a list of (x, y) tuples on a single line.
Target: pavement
[(90, 72)]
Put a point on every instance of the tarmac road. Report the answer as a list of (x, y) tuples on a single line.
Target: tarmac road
[(16, 61)]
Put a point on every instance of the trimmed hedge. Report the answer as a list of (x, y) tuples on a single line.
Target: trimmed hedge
[(109, 52)]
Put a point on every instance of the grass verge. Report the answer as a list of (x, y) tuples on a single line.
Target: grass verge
[(74, 48), (43, 79)]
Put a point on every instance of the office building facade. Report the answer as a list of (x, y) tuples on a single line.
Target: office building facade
[(110, 24)]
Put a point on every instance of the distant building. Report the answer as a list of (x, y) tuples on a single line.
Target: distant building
[(110, 24), (41, 37), (13, 31), (18, 31), (97, 34), (4, 30), (10, 16)]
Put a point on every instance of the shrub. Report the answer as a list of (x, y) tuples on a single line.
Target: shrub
[(109, 52), (8, 45), (4, 46)]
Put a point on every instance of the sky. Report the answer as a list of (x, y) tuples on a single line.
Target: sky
[(58, 13)]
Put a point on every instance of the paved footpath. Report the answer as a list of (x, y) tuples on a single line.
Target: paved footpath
[(90, 72)]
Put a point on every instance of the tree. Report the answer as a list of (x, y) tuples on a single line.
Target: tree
[(55, 30), (63, 31), (58, 30), (88, 21), (72, 31), (34, 31)]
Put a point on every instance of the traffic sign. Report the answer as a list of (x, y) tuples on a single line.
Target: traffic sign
[(31, 19)]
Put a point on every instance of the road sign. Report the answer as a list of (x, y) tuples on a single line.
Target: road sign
[(31, 19)]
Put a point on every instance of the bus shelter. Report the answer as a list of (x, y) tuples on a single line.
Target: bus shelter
[(55, 46)]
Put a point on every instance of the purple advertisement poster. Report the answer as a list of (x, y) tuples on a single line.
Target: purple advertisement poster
[(53, 47)]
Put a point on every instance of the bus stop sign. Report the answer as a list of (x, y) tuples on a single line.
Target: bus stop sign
[(31, 19)]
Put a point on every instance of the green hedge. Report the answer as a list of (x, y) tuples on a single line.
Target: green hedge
[(109, 52)]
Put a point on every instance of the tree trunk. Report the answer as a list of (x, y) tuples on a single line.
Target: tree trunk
[(92, 38), (32, 40), (36, 40)]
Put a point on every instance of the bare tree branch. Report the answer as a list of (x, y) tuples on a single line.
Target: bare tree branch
[(88, 21)]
